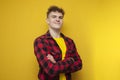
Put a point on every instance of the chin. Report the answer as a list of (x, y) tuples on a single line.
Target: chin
[(57, 27)]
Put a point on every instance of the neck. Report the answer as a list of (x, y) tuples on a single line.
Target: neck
[(54, 33)]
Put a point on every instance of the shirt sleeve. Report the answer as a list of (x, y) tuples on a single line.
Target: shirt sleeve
[(52, 69), (77, 65)]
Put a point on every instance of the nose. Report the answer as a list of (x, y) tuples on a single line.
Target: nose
[(57, 19)]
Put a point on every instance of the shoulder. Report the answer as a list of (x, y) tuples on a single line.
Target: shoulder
[(40, 38)]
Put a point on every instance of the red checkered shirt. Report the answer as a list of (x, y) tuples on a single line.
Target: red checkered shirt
[(45, 45)]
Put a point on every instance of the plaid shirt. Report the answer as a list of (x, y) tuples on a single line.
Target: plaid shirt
[(45, 45)]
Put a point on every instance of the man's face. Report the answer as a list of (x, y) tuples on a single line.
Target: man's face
[(55, 20)]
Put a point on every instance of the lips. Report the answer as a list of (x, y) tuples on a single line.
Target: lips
[(57, 23)]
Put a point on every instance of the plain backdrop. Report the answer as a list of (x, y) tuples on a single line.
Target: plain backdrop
[(94, 25)]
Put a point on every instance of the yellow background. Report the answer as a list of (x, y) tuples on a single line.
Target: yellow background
[(94, 25)]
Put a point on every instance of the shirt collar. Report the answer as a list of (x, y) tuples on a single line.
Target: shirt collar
[(49, 36)]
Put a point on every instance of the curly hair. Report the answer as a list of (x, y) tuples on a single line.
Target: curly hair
[(54, 9)]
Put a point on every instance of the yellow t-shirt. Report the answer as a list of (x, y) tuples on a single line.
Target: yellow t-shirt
[(62, 45)]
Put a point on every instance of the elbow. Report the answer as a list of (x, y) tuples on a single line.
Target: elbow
[(80, 66)]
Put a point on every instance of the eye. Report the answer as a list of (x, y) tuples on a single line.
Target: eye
[(53, 16), (60, 17)]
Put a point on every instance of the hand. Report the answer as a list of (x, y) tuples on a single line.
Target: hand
[(51, 58), (72, 59)]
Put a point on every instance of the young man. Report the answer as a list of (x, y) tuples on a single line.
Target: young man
[(56, 54)]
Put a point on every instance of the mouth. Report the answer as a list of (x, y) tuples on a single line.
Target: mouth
[(57, 23)]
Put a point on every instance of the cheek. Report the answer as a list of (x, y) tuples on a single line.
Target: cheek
[(61, 22), (52, 21), (49, 21)]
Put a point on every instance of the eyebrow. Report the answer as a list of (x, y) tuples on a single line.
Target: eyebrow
[(56, 15)]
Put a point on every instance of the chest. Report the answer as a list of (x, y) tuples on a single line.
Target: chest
[(54, 49)]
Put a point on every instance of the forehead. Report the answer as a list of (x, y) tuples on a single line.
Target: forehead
[(55, 13)]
